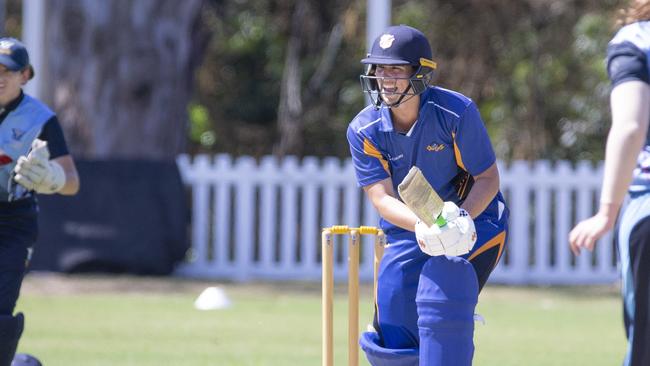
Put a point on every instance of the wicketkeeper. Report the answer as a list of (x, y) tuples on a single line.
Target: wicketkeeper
[(430, 276), (34, 159)]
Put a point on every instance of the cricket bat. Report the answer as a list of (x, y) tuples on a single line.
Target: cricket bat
[(421, 198)]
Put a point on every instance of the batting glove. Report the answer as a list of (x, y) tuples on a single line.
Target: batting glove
[(37, 173), (455, 238)]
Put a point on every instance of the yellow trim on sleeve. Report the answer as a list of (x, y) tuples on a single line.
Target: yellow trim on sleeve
[(459, 158), (498, 239), (370, 150)]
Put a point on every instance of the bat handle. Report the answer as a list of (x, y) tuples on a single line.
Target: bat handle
[(440, 221)]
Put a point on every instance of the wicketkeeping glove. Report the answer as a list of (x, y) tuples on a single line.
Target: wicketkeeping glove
[(37, 173), (455, 238)]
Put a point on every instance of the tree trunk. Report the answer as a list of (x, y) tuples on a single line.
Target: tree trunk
[(295, 100), (290, 108), (120, 74)]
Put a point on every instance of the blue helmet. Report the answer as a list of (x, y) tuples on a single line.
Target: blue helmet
[(399, 45), (14, 56)]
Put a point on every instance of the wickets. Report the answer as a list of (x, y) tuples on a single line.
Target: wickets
[(353, 286)]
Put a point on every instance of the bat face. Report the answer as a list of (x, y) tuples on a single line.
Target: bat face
[(420, 197)]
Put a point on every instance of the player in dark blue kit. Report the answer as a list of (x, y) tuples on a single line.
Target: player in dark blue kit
[(425, 304), (627, 171), (34, 158)]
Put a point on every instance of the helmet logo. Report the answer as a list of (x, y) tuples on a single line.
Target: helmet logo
[(5, 47), (386, 40)]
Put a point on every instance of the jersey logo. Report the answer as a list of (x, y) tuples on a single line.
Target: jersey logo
[(18, 134), (435, 147), (386, 41), (4, 158), (395, 158)]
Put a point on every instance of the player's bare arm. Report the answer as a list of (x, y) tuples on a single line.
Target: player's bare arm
[(382, 195), (630, 115), (486, 186)]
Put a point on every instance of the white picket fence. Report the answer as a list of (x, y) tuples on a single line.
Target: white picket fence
[(261, 220)]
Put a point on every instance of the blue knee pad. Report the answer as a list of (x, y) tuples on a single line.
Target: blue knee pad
[(380, 356), (446, 299)]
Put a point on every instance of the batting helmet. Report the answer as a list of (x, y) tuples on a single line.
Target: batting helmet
[(399, 45)]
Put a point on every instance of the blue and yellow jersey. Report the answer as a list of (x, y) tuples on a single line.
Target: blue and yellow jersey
[(447, 141), (628, 58)]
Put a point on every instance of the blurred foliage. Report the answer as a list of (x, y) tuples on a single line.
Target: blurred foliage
[(240, 80), (201, 131), (13, 18), (534, 67)]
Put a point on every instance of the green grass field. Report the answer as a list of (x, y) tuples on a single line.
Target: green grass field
[(151, 321)]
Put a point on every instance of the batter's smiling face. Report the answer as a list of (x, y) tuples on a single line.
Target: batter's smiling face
[(10, 84), (394, 82)]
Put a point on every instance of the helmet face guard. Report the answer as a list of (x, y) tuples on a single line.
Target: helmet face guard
[(417, 83)]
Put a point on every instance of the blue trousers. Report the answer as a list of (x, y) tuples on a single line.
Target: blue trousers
[(401, 273), (634, 249), (18, 230)]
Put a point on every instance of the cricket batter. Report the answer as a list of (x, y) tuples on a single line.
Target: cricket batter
[(627, 170), (425, 303), (34, 158)]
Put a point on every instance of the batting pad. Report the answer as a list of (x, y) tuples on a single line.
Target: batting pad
[(420, 197), (446, 299), (380, 356)]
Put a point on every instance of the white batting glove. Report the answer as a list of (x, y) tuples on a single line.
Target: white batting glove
[(37, 173), (465, 225), (455, 238)]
